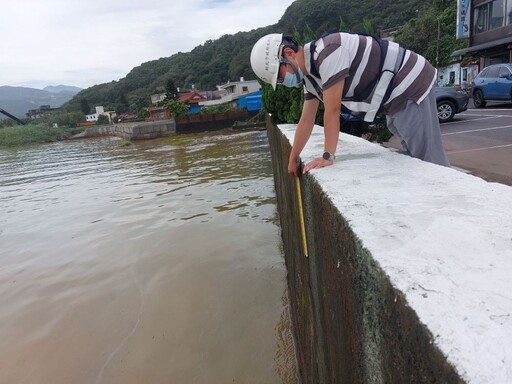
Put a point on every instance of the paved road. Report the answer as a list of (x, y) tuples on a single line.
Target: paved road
[(480, 141)]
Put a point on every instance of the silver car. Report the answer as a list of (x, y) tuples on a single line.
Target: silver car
[(450, 101)]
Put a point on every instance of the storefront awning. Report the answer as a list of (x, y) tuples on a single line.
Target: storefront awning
[(481, 47)]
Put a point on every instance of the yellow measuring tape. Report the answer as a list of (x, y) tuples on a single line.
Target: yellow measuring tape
[(301, 217)]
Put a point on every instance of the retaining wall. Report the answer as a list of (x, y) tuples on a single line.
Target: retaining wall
[(210, 121), (134, 131), (408, 274)]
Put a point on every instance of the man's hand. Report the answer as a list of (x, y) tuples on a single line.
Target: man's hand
[(319, 162), (293, 167)]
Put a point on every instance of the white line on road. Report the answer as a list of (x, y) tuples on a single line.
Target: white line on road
[(480, 149), (478, 114), (476, 130), (466, 121)]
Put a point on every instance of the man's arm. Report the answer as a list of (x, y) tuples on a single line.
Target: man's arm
[(302, 133), (332, 105)]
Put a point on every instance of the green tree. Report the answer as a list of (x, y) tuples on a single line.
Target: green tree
[(143, 113), (343, 26), (368, 27), (218, 108), (432, 32), (102, 120), (176, 107), (171, 92), (64, 119), (123, 106), (84, 106)]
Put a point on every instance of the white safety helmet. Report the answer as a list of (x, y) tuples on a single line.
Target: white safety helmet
[(266, 58)]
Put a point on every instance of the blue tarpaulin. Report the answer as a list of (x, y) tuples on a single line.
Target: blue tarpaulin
[(252, 102)]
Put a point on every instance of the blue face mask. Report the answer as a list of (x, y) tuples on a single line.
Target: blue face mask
[(290, 79)]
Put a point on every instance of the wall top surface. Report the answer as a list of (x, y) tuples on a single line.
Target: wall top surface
[(443, 237)]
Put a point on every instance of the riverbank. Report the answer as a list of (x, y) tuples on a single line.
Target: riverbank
[(21, 135), (407, 274)]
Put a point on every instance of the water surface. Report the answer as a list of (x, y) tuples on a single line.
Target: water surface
[(155, 262)]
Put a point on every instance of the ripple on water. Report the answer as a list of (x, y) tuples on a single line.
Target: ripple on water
[(152, 262)]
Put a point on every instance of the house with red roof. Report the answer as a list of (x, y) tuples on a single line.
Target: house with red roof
[(192, 99)]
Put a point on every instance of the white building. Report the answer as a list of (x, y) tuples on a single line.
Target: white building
[(99, 112), (157, 98), (457, 75), (233, 91)]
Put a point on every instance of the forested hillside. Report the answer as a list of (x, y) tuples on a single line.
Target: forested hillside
[(227, 58)]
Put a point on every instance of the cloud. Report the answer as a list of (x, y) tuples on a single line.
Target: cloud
[(84, 43)]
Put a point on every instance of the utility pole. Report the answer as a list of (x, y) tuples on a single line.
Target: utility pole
[(438, 37)]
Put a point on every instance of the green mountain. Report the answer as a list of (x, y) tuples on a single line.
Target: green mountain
[(227, 58), (19, 100), (62, 88)]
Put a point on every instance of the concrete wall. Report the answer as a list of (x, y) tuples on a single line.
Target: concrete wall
[(160, 128), (385, 296), (134, 131), (209, 122)]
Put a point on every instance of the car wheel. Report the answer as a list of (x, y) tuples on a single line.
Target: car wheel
[(478, 99), (445, 110)]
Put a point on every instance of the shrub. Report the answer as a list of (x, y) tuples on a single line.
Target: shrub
[(33, 133), (176, 107)]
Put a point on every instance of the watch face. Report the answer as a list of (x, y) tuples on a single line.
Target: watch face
[(326, 155)]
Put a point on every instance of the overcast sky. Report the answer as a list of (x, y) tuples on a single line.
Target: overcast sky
[(87, 42)]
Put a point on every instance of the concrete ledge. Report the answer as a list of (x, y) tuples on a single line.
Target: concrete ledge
[(408, 278)]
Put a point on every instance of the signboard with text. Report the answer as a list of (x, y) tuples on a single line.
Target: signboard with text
[(463, 7)]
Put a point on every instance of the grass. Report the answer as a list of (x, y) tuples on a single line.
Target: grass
[(32, 134)]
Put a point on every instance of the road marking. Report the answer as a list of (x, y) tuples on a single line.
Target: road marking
[(480, 149), (476, 130), (486, 116), (471, 120), (487, 110)]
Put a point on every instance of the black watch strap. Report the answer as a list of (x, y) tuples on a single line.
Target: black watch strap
[(329, 156)]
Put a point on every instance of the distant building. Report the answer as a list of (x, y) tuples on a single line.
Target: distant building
[(157, 98), (42, 111), (94, 116), (100, 112), (126, 117), (457, 74), (234, 91), (158, 113), (239, 89), (488, 26), (192, 99)]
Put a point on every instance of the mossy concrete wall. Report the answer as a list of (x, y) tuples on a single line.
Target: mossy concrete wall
[(351, 323)]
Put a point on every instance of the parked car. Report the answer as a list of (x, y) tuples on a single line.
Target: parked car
[(493, 83), (450, 101)]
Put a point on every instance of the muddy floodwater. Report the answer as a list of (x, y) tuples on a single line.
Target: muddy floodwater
[(152, 262)]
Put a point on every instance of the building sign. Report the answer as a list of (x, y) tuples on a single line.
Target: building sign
[(463, 7)]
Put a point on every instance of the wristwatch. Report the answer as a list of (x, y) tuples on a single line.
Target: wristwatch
[(329, 156)]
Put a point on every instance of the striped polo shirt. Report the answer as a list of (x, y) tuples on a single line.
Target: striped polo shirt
[(357, 59)]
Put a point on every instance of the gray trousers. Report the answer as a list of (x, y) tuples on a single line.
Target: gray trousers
[(417, 127)]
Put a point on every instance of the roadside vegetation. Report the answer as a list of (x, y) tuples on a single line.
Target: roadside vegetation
[(52, 128), (20, 135)]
